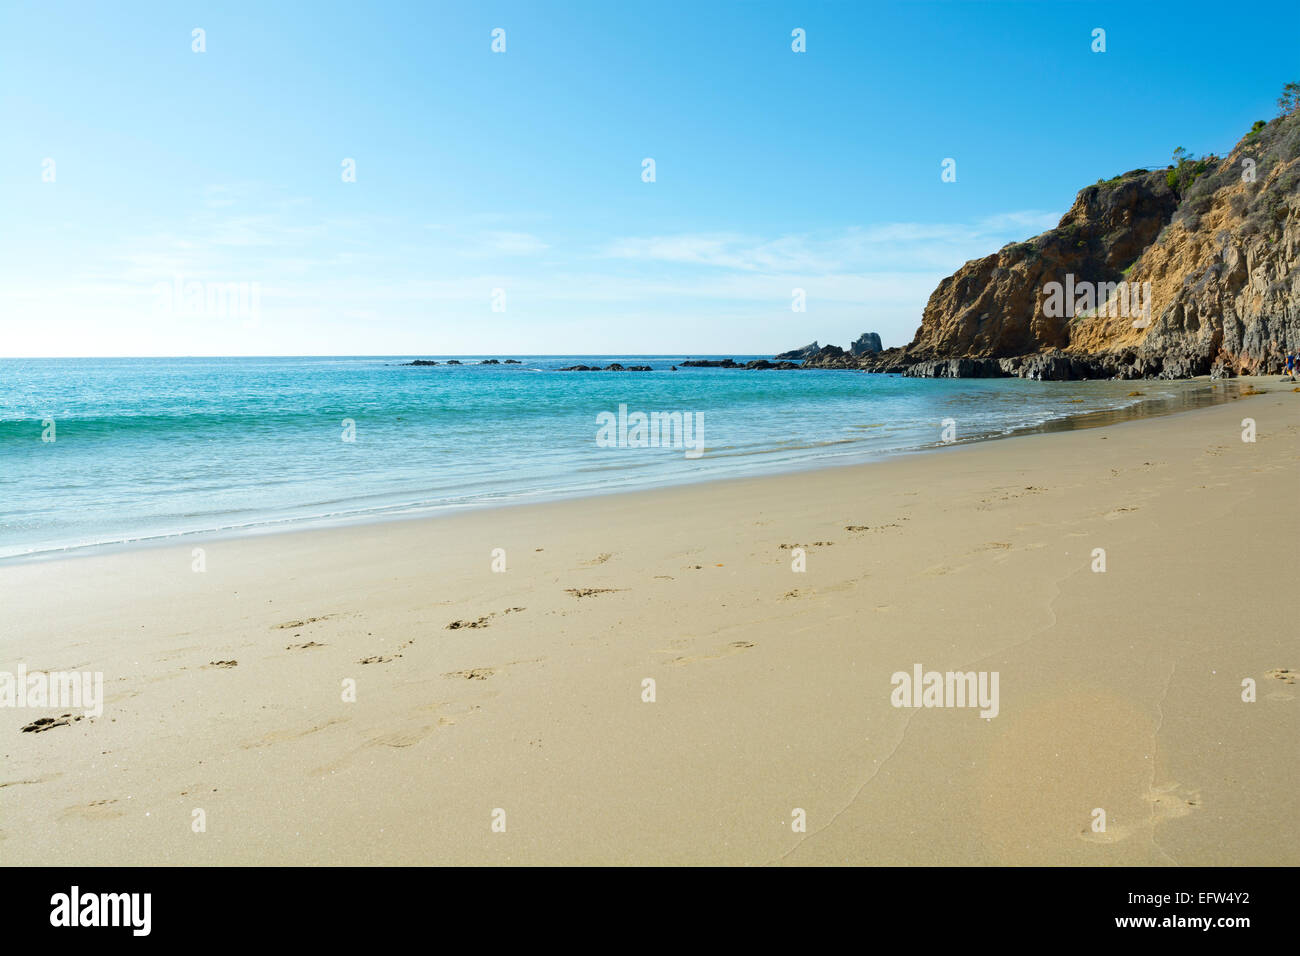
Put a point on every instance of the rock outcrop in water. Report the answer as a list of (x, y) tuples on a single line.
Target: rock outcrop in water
[(832, 356), (802, 353), (732, 363), (867, 343), (1183, 271), (612, 367)]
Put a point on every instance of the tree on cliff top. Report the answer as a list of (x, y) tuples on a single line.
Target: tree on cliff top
[(1289, 101), (1185, 170)]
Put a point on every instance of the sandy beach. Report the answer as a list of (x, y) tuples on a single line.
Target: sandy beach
[(479, 691)]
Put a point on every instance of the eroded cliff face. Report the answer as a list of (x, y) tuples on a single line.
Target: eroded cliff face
[(993, 307), (1221, 255), (1225, 273)]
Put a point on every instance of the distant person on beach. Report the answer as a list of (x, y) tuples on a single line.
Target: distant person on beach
[(1290, 365)]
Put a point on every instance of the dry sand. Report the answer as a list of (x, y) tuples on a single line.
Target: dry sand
[(1119, 690)]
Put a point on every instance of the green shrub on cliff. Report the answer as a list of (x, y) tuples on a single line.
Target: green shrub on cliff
[(1186, 170)]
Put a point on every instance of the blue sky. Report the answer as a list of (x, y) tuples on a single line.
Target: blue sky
[(522, 171)]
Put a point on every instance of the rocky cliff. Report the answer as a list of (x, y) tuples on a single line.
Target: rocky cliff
[(1181, 271), (866, 344)]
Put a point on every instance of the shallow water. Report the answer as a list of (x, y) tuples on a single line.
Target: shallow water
[(152, 448)]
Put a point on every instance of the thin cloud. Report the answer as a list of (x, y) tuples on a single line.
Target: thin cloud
[(906, 246)]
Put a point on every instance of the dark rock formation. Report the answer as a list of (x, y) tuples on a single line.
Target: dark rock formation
[(802, 353), (612, 367), (831, 356), (866, 344)]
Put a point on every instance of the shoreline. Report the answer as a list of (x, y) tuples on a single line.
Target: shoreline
[(523, 690), (1135, 411)]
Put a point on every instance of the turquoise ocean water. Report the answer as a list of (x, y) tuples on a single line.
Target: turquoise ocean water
[(155, 448)]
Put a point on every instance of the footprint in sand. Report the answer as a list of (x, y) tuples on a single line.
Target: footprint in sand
[(598, 559), (449, 719), (1112, 515), (403, 737), (457, 625), (735, 647), (1284, 674), (279, 736), (483, 673), (1010, 494), (420, 726), (591, 592), (937, 570), (473, 673), (221, 664), (42, 724), (303, 647), (483, 621), (379, 659), (289, 625)]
